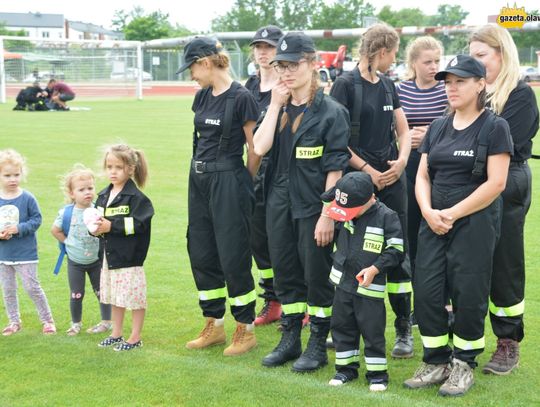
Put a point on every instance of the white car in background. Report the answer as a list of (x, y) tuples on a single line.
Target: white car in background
[(130, 74), (529, 74)]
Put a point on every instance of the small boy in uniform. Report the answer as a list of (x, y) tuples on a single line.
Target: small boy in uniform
[(369, 244)]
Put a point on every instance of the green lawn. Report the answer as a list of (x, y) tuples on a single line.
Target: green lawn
[(61, 370)]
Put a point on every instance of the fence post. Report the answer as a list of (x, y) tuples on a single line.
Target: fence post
[(140, 70), (2, 74)]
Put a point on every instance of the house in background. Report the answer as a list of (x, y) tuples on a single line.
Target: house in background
[(55, 26), (49, 26)]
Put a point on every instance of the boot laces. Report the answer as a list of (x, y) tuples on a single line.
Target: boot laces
[(238, 336), (424, 369), (503, 352), (265, 309), (457, 372), (207, 330)]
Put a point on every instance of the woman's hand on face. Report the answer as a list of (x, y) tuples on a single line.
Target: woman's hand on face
[(439, 221), (324, 231), (280, 95), (417, 135)]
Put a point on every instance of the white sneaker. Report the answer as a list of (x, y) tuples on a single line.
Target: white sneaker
[(378, 387)]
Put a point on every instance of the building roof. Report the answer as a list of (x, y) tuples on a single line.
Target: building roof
[(94, 29), (32, 20)]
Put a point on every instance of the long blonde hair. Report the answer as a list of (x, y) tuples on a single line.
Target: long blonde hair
[(500, 39), (414, 48), (134, 159), (310, 57), (377, 37)]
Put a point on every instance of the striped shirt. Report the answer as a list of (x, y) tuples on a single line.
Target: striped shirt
[(422, 106)]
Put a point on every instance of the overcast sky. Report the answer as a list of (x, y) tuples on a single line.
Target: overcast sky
[(198, 15)]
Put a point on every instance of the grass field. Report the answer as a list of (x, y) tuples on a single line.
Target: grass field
[(61, 370)]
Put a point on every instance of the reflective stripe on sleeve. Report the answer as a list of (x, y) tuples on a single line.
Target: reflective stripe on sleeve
[(129, 227), (372, 290), (335, 275)]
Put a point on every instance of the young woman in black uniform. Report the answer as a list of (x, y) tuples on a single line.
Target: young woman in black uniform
[(221, 197), (263, 47), (374, 151), (463, 170), (306, 133), (514, 101)]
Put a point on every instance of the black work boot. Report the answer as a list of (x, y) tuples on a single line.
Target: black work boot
[(403, 347), (290, 346), (314, 357)]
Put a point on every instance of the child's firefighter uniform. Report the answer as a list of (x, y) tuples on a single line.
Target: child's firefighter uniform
[(130, 214), (373, 239)]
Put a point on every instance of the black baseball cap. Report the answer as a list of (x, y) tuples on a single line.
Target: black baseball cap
[(291, 47), (197, 48), (349, 196), (269, 34), (463, 66)]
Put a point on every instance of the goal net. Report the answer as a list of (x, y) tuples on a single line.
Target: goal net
[(92, 68)]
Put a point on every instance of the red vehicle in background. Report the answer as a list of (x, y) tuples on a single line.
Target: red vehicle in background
[(331, 63)]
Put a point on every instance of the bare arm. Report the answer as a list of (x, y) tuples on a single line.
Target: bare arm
[(58, 234), (253, 160), (404, 140), (359, 164)]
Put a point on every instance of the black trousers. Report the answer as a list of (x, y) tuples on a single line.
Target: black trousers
[(301, 268), (353, 317), (399, 278), (508, 279), (220, 206), (457, 264), (414, 215), (259, 238)]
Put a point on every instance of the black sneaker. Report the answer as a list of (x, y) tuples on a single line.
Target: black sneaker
[(109, 341), (343, 376), (127, 346)]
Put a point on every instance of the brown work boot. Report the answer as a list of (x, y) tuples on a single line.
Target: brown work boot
[(460, 381), (210, 335), (270, 312), (243, 341), (504, 359)]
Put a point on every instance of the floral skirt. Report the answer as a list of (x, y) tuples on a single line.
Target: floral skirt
[(124, 287)]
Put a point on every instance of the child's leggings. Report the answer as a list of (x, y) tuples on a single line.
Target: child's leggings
[(30, 282)]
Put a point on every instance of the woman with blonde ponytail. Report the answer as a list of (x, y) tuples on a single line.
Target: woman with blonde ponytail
[(376, 119), (306, 135), (513, 100)]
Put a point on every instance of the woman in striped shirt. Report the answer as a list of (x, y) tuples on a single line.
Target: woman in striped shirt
[(423, 99)]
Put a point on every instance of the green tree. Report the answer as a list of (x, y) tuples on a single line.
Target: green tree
[(246, 15), (527, 43), (402, 18), (448, 15), (343, 14), (298, 14), (148, 27), (13, 44)]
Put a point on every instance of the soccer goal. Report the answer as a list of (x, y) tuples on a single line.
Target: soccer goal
[(92, 68)]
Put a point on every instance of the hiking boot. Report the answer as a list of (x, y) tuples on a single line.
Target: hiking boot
[(210, 335), (305, 322), (403, 347), (289, 346), (504, 359), (270, 312), (428, 375), (314, 357), (460, 380), (243, 340)]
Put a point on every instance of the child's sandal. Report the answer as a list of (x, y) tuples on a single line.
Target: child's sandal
[(11, 329), (100, 328), (49, 328), (75, 329)]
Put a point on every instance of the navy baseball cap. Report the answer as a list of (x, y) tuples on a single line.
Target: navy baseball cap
[(269, 34), (197, 48), (463, 66), (292, 46), (349, 196)]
